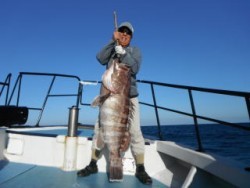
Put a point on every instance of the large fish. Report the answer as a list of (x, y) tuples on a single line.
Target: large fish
[(115, 114)]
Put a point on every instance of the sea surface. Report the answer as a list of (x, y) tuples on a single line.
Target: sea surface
[(215, 138)]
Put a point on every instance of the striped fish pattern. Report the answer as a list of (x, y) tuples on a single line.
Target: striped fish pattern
[(115, 114)]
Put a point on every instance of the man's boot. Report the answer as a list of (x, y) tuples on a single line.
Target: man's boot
[(90, 169), (142, 175)]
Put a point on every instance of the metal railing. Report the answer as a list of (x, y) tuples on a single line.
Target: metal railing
[(5, 84), (18, 86), (154, 105), (189, 89), (194, 115)]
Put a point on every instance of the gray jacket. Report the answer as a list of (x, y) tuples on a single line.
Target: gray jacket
[(132, 58)]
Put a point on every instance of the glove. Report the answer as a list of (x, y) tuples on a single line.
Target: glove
[(120, 50)]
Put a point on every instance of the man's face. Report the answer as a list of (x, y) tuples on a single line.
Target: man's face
[(125, 36)]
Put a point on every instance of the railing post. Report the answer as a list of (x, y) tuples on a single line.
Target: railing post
[(71, 141), (12, 93), (73, 121), (19, 90), (8, 89), (156, 112), (248, 106), (79, 94), (45, 101), (200, 148), (7, 84)]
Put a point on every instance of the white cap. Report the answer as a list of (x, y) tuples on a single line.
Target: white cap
[(128, 25)]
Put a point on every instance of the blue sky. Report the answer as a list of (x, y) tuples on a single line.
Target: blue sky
[(203, 43)]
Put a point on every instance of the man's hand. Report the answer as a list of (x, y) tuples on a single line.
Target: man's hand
[(120, 50)]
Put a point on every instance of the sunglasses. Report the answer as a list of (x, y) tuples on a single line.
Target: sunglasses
[(125, 30)]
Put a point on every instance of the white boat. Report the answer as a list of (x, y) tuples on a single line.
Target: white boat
[(49, 156)]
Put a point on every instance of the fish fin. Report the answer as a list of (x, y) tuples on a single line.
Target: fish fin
[(116, 170), (99, 100), (96, 101)]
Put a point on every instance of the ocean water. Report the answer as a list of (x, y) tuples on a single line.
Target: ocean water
[(219, 139)]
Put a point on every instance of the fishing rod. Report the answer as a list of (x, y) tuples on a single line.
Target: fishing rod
[(116, 26), (115, 21), (116, 29)]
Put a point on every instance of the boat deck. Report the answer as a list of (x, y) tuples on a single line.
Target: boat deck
[(38, 157), (25, 175)]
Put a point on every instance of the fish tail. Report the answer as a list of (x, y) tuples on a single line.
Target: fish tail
[(116, 170)]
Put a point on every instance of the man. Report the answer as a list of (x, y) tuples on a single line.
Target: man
[(131, 56)]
